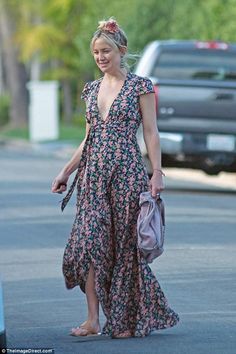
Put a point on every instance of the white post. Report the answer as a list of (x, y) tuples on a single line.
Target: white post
[(43, 110)]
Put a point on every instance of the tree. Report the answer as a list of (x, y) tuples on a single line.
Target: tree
[(204, 20), (15, 70), (53, 38), (58, 32)]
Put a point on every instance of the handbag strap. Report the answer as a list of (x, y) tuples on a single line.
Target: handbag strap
[(161, 205)]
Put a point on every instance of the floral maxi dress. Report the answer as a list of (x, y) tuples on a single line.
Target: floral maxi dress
[(110, 177)]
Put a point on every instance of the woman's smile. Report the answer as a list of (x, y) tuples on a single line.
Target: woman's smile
[(103, 63), (106, 56)]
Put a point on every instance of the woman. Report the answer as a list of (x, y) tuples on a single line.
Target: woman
[(101, 255)]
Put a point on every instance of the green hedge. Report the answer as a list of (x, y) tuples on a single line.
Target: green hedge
[(4, 109)]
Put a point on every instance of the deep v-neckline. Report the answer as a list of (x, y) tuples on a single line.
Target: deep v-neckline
[(113, 102)]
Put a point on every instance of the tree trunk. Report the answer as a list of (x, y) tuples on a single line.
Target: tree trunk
[(2, 76), (3, 80), (15, 71), (67, 101)]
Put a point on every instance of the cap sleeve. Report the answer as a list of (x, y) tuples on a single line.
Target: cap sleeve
[(85, 96), (86, 91), (145, 86)]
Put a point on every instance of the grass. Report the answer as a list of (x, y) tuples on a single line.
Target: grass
[(66, 132), (73, 132), (19, 133)]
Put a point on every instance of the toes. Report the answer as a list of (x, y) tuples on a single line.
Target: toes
[(85, 329), (79, 332)]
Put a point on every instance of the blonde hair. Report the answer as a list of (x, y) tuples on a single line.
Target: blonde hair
[(113, 34)]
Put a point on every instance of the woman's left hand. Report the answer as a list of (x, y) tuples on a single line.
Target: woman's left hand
[(156, 183)]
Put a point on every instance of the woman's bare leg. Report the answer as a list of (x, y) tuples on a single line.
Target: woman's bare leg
[(92, 324), (92, 300)]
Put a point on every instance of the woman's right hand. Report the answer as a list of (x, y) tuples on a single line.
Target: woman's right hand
[(59, 184)]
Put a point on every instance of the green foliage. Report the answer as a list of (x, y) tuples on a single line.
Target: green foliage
[(61, 30), (79, 120), (58, 32), (205, 20), (4, 109), (52, 36), (13, 133), (149, 20), (72, 132)]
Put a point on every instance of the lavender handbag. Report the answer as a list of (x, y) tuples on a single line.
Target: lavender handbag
[(151, 226)]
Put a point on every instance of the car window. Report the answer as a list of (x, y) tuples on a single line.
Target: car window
[(196, 65)]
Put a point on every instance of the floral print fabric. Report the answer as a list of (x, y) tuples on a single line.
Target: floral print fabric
[(111, 175)]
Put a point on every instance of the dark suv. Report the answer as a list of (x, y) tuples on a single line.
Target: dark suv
[(195, 85)]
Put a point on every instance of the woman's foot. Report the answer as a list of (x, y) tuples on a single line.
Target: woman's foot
[(88, 328)]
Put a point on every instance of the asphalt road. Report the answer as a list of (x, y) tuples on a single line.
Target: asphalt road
[(197, 271)]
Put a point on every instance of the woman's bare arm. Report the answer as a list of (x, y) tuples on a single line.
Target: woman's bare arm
[(152, 140), (60, 182), (72, 165)]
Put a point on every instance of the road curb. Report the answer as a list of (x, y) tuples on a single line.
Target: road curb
[(191, 179), (176, 178)]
